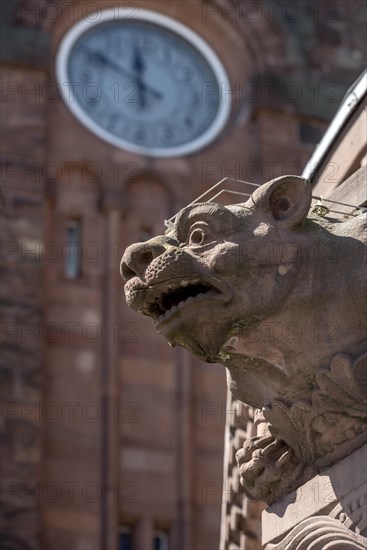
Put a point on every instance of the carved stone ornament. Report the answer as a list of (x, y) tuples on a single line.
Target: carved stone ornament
[(278, 297), (334, 416), (320, 533)]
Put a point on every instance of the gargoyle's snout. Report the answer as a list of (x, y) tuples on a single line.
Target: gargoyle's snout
[(137, 257)]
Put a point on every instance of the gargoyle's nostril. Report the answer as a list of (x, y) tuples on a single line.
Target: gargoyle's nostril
[(146, 257), (138, 257), (126, 272)]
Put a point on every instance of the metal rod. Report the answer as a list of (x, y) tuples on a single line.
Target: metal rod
[(321, 199), (229, 191), (245, 182)]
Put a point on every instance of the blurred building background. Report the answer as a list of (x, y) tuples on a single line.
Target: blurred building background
[(110, 439)]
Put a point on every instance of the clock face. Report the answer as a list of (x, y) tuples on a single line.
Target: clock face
[(145, 83)]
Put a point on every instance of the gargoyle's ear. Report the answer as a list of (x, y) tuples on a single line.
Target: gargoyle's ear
[(285, 200)]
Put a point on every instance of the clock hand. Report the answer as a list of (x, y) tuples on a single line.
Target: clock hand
[(138, 63), (104, 60), (138, 66), (141, 93)]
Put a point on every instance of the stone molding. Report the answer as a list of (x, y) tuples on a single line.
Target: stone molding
[(339, 492), (320, 533)]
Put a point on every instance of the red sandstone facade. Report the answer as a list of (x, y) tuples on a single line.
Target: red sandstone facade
[(108, 434)]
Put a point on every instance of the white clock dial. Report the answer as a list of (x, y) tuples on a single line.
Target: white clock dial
[(145, 83)]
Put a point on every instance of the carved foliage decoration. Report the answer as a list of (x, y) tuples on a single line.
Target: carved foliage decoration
[(335, 415)]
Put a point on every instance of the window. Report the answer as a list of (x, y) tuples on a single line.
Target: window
[(125, 538), (160, 540), (72, 255)]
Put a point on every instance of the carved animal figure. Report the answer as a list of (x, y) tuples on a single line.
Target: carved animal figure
[(279, 298)]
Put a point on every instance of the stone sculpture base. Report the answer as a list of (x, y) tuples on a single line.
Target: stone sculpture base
[(326, 513)]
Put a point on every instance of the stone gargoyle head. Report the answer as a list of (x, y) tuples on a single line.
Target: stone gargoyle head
[(229, 267), (276, 296)]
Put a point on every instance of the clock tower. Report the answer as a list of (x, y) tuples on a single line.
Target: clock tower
[(145, 109)]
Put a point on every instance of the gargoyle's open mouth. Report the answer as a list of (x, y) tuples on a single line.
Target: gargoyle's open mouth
[(173, 299)]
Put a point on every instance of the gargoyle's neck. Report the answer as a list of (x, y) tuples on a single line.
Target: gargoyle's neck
[(278, 358)]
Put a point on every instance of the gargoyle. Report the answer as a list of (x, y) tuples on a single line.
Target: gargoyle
[(279, 298)]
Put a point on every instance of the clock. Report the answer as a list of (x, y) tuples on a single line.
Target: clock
[(143, 82)]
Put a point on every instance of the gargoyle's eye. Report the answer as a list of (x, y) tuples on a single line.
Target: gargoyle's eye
[(200, 235), (197, 237)]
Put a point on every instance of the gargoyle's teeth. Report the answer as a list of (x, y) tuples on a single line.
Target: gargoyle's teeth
[(187, 283), (171, 287), (189, 300)]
